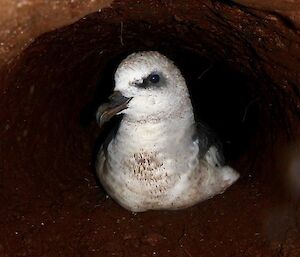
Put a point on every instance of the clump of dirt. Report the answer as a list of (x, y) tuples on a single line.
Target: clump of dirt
[(243, 83)]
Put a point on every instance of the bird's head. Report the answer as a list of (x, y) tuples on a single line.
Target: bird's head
[(148, 86)]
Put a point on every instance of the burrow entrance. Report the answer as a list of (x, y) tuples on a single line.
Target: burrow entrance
[(50, 137)]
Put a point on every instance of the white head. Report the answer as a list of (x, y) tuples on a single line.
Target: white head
[(154, 83), (154, 86)]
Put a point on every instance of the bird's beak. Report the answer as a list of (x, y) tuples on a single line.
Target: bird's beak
[(117, 103)]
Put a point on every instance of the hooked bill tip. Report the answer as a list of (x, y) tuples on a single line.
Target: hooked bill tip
[(117, 103)]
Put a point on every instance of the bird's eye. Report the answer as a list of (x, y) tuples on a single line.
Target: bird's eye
[(154, 78)]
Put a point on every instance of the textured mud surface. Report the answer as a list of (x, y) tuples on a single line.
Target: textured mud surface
[(242, 67), (21, 21)]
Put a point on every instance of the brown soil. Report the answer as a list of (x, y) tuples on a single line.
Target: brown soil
[(53, 205)]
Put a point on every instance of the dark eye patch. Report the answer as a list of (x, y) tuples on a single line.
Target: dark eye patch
[(154, 80)]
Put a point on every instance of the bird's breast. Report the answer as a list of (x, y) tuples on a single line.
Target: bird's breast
[(143, 163), (151, 157)]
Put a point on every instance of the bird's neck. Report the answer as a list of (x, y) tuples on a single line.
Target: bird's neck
[(156, 135)]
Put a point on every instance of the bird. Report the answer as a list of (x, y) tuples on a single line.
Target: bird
[(159, 158)]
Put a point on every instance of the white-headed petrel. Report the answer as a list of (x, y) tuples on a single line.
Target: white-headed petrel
[(159, 158)]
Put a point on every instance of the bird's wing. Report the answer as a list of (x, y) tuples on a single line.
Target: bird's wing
[(101, 168), (207, 138), (102, 153)]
